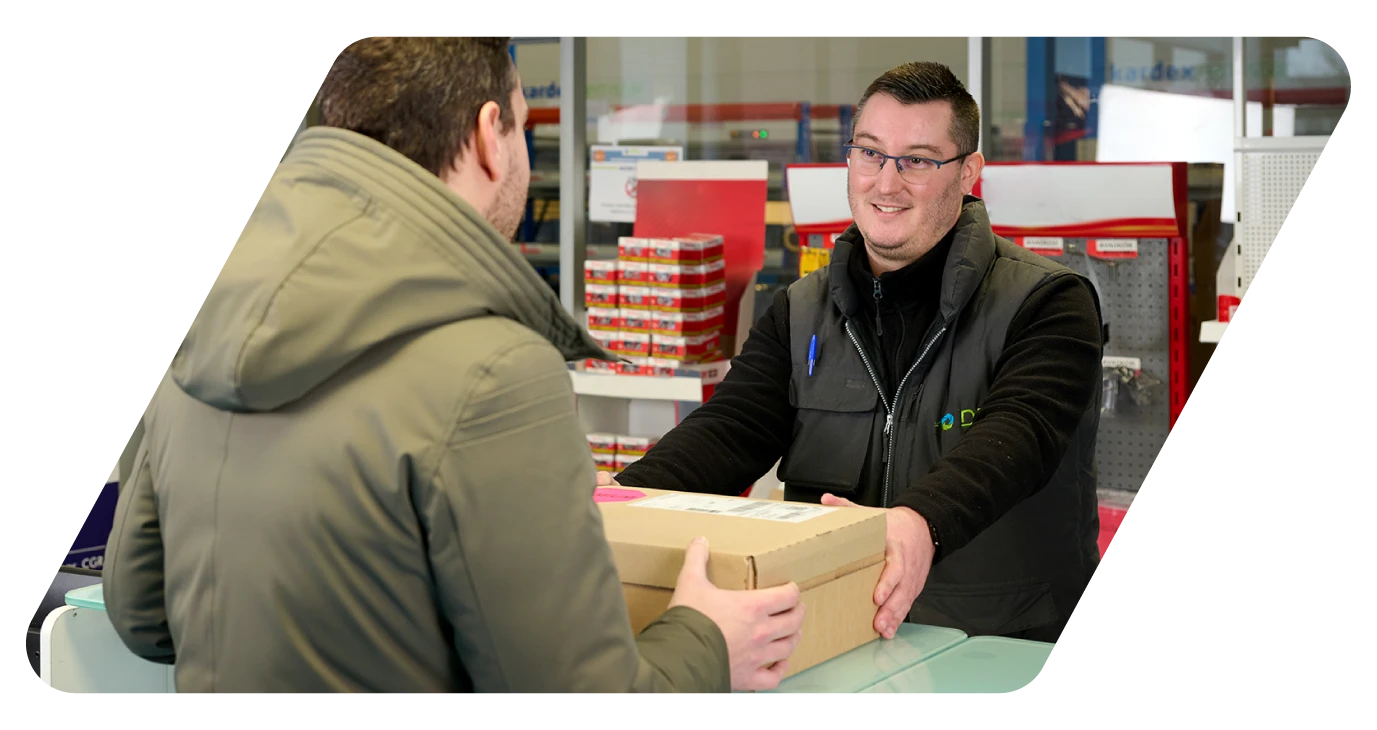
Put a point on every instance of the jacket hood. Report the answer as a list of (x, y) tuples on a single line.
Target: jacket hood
[(352, 245)]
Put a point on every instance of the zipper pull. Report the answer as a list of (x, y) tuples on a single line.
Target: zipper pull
[(889, 422), (879, 330)]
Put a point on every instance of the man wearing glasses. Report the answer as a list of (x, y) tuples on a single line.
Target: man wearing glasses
[(931, 368)]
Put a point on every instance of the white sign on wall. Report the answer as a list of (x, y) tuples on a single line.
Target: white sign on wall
[(612, 179)]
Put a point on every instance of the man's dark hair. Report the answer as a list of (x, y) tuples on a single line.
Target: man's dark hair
[(419, 96), (924, 81)]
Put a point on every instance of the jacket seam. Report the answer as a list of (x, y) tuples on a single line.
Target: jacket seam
[(268, 305)]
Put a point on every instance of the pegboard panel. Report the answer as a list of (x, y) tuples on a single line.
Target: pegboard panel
[(1134, 299), (1271, 179)]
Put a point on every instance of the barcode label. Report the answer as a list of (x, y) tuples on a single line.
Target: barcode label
[(1117, 245), (1132, 363), (755, 509), (1044, 244)]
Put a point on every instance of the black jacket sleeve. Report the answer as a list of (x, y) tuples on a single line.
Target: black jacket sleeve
[(728, 443), (1043, 382)]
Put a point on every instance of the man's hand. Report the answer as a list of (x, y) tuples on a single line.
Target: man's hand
[(761, 627), (908, 558), (606, 480)]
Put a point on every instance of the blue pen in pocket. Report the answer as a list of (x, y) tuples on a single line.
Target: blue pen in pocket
[(812, 354)]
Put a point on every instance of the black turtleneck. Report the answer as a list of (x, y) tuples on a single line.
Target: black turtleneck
[(1043, 381), (901, 304)]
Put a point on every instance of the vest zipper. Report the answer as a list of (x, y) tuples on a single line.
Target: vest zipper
[(879, 292), (889, 466), (889, 412)]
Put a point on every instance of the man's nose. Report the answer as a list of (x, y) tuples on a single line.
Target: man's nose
[(890, 181)]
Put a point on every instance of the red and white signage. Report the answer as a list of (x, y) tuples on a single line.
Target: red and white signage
[(1086, 200), (721, 197), (817, 200)]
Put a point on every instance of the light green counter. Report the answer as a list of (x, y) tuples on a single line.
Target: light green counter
[(917, 659)]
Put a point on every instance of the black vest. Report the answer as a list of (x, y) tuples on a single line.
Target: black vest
[(1024, 574)]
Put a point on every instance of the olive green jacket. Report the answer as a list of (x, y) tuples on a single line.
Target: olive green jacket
[(364, 471)]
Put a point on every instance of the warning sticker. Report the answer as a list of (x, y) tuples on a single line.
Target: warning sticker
[(757, 509)]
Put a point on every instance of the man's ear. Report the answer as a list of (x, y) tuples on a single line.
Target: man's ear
[(487, 141), (970, 171)]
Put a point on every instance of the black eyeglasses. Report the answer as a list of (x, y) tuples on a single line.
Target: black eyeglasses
[(869, 162)]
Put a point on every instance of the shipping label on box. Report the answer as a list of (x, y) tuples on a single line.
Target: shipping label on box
[(603, 443), (634, 273), (632, 344), (600, 272), (600, 295), (835, 555), (698, 348), (605, 462), (688, 323), (695, 249), (689, 300), (604, 320), (692, 276), (636, 297), (632, 249), (635, 445)]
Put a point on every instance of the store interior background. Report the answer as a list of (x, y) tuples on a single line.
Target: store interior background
[(1042, 99)]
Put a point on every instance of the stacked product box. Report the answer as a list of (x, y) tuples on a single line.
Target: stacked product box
[(614, 452), (687, 276), (604, 447), (600, 286)]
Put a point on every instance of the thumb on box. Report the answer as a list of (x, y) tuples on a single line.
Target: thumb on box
[(696, 560)]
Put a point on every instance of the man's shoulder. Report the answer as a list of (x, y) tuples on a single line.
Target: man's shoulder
[(494, 348)]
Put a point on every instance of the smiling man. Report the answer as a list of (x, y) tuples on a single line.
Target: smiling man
[(954, 380)]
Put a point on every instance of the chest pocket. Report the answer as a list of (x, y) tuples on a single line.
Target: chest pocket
[(833, 429)]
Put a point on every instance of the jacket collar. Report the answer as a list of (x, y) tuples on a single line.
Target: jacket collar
[(460, 235), (971, 253)]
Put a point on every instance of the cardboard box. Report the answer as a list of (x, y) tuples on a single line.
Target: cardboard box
[(606, 338), (691, 249), (687, 324), (687, 300), (635, 273), (600, 272), (600, 295), (664, 367), (636, 366), (692, 276), (604, 320), (625, 460), (834, 554), (692, 349), (634, 445), (603, 443), (636, 297), (635, 320), (600, 366), (605, 462), (632, 249), (632, 344)]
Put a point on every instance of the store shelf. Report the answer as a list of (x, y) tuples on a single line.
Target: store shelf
[(1212, 331), (689, 385)]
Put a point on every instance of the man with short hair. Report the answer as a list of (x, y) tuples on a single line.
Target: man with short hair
[(931, 368), (363, 470)]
